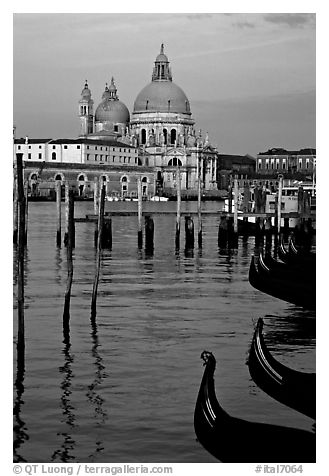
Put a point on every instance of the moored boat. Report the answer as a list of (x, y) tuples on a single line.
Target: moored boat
[(300, 292), (234, 440), (291, 387)]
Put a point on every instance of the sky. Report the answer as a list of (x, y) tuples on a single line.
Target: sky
[(250, 77)]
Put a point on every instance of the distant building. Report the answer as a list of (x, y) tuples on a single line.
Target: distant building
[(230, 166), (287, 162)]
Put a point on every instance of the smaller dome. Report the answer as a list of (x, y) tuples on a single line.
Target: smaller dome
[(162, 58), (112, 111), (85, 93)]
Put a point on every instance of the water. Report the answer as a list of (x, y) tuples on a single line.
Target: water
[(125, 390)]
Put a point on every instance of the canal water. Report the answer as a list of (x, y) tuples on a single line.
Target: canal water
[(125, 389)]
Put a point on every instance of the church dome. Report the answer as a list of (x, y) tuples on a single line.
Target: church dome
[(162, 96), (111, 109)]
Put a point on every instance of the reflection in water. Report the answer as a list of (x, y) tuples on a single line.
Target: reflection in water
[(20, 429), (63, 454), (93, 395)]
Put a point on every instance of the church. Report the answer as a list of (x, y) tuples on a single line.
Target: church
[(156, 138)]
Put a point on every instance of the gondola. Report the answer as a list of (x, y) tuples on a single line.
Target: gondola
[(290, 387), (234, 440), (306, 276), (298, 292), (295, 257)]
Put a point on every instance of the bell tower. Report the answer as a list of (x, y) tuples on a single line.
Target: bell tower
[(86, 111)]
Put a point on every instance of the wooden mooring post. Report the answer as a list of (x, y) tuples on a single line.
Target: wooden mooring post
[(140, 213), (69, 247), (20, 251), (59, 213), (189, 233), (98, 253), (67, 217), (236, 201), (149, 233), (15, 209), (26, 211), (178, 215), (199, 211), (279, 205), (222, 232)]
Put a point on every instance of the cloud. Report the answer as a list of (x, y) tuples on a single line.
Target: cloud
[(244, 24), (294, 20)]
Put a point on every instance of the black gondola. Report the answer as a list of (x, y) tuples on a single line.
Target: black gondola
[(290, 387), (296, 257), (296, 291), (233, 440)]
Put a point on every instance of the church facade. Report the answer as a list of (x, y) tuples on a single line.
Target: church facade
[(158, 136)]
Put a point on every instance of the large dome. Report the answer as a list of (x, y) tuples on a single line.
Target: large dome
[(162, 96), (112, 111)]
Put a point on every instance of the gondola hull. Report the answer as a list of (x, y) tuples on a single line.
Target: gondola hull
[(290, 387), (233, 440), (296, 292)]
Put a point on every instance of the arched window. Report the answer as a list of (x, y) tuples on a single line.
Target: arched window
[(58, 177), (175, 162), (124, 185), (165, 135), (34, 177), (82, 178), (144, 186), (143, 136), (173, 136), (53, 156)]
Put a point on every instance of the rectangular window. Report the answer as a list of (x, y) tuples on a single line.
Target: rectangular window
[(65, 146), (87, 146), (29, 156), (300, 163), (19, 147), (284, 164), (29, 147), (113, 149), (54, 147), (40, 146), (78, 147), (96, 147), (40, 156)]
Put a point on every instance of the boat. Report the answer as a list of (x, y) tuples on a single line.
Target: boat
[(293, 388), (270, 267), (235, 440), (301, 292), (294, 256), (157, 198)]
